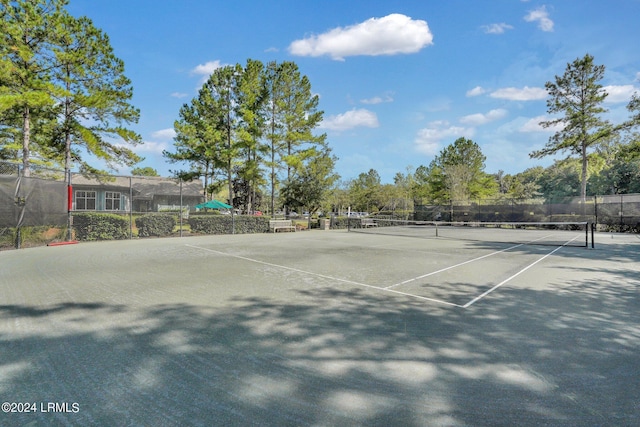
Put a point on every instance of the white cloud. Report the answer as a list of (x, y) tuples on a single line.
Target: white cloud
[(389, 35), (152, 147), (496, 28), (377, 100), (619, 93), (541, 16), (351, 119), (533, 125), (476, 91), (427, 140), (164, 134), (179, 95), (161, 141), (207, 68), (481, 119), (524, 94)]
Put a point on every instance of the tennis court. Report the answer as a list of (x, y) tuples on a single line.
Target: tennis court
[(321, 328)]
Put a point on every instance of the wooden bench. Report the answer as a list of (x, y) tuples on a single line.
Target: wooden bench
[(281, 224), (367, 222)]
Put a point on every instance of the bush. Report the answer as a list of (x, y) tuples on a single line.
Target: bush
[(221, 224), (159, 225), (31, 236), (91, 226)]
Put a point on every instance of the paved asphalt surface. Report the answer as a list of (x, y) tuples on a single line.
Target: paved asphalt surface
[(320, 328)]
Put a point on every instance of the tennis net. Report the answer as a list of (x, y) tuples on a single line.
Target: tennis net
[(528, 233)]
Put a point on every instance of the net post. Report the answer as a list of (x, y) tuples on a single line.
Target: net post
[(586, 234), (593, 242), (130, 207)]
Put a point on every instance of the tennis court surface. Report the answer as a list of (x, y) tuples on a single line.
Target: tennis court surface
[(321, 328)]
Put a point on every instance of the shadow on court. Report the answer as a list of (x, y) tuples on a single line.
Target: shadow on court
[(565, 357)]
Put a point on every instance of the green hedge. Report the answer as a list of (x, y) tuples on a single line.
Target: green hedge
[(89, 226), (155, 225), (221, 224)]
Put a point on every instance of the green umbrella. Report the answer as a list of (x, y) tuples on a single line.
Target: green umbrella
[(213, 204)]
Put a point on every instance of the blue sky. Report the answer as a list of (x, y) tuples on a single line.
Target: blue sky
[(398, 80)]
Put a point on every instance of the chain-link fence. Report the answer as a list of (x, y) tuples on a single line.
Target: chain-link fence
[(115, 207), (37, 209), (32, 208), (618, 213), (511, 210)]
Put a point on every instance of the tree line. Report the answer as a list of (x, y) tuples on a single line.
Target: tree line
[(251, 128), (264, 133), (601, 157)]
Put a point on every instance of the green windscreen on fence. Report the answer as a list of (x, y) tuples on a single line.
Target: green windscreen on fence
[(551, 234)]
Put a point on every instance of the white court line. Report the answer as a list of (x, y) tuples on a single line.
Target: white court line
[(484, 294), (467, 262), (449, 268), (509, 279), (322, 275)]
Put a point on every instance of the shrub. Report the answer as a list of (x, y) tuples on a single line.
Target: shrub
[(221, 224), (155, 225), (90, 226), (31, 236)]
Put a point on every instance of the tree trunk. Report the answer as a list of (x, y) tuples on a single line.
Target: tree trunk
[(26, 139), (273, 160), (583, 178)]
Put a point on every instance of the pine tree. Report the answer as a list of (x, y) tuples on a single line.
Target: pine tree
[(93, 89), (579, 96), (26, 30), (196, 141), (292, 115), (252, 97)]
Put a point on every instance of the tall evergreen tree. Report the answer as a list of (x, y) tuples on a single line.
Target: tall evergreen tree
[(252, 98), (292, 115), (301, 115), (274, 124), (197, 141), (578, 95), (94, 95), (222, 92), (26, 31)]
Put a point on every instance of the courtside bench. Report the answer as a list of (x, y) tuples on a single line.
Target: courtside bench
[(367, 222), (281, 224)]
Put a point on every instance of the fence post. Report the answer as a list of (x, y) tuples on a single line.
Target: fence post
[(69, 204), (180, 207), (130, 208), (18, 238), (621, 212)]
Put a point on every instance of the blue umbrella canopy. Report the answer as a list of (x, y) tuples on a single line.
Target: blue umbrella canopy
[(213, 204)]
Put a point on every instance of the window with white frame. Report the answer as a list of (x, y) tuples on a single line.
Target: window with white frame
[(86, 200), (111, 201)]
